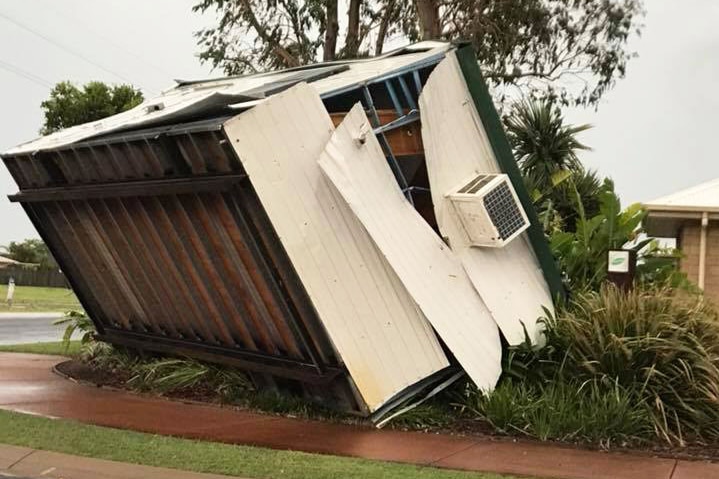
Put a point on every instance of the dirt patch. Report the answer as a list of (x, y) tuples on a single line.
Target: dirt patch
[(83, 372)]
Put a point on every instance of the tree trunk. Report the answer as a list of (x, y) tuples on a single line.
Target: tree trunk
[(428, 13), (278, 50), (331, 31), (353, 21), (384, 26)]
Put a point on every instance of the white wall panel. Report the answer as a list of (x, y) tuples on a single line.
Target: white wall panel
[(433, 275), (383, 339), (456, 145)]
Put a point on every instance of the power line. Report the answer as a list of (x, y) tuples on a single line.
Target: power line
[(25, 74), (63, 47)]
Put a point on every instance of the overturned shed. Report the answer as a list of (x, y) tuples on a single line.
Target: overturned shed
[(225, 221)]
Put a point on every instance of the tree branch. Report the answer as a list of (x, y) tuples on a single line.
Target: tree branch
[(277, 49)]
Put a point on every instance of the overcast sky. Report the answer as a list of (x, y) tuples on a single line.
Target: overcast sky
[(653, 133)]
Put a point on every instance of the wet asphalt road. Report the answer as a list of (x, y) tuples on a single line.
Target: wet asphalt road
[(21, 328)]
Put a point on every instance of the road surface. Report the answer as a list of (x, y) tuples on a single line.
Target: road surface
[(21, 328)]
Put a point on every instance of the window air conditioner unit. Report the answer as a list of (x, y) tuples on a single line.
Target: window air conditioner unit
[(489, 210)]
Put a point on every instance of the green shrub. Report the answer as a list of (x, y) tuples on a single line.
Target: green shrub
[(659, 345), (424, 417), (582, 254), (569, 411), (76, 321), (167, 375)]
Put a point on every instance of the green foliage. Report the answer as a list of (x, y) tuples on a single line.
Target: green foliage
[(69, 105), (545, 147), (32, 251), (547, 152), (166, 375), (533, 45), (76, 321), (660, 265), (659, 345), (585, 185), (582, 254), (426, 416), (572, 411)]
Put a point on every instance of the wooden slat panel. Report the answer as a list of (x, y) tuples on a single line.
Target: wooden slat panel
[(81, 248), (156, 275), (237, 278), (168, 212), (88, 164), (16, 172), (275, 319), (132, 271), (176, 279), (189, 218)]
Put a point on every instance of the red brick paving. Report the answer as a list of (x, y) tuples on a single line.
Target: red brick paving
[(28, 385)]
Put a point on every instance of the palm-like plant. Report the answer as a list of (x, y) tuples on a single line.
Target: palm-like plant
[(546, 150), (545, 147)]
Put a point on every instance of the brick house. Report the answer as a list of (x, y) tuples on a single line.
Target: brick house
[(692, 217)]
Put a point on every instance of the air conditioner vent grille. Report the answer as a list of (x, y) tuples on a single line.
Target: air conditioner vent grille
[(476, 184), (503, 211)]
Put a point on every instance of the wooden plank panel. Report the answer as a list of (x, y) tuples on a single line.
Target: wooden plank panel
[(204, 277), (433, 275), (113, 251), (176, 279), (382, 338), (237, 276), (509, 279), (302, 320), (196, 283), (192, 219), (81, 248)]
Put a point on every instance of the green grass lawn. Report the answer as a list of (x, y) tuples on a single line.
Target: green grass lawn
[(56, 348), (37, 299), (162, 451)]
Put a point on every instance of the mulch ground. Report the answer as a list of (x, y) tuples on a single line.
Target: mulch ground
[(82, 372)]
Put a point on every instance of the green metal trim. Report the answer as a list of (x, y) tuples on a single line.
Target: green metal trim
[(503, 153)]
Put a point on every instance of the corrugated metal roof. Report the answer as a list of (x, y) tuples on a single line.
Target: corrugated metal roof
[(192, 99), (704, 196)]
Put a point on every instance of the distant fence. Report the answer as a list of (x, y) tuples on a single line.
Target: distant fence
[(23, 276)]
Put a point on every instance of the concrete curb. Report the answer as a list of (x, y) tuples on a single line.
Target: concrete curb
[(44, 315)]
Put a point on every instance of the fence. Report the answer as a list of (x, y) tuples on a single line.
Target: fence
[(23, 276)]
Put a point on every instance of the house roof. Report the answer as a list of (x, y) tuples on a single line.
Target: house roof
[(667, 213), (703, 197), (203, 98), (4, 262)]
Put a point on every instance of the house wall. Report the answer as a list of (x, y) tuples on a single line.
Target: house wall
[(689, 244)]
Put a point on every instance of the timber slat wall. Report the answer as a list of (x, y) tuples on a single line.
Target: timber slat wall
[(169, 249), (25, 276)]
